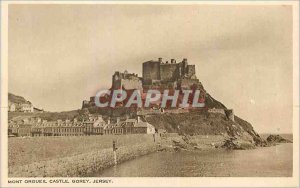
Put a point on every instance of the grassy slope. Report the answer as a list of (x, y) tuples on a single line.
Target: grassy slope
[(204, 124), (196, 123), (16, 99), (189, 123)]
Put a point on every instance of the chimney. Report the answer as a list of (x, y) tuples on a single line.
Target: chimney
[(172, 61), (184, 60), (160, 60)]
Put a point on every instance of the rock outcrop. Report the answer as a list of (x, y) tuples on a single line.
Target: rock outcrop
[(277, 139), (236, 144), (204, 123)]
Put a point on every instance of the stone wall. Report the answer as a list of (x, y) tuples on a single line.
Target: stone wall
[(146, 111), (127, 84), (166, 72), (176, 111), (191, 70), (83, 164), (151, 71), (132, 84), (188, 83), (126, 80), (217, 110), (230, 114), (169, 72)]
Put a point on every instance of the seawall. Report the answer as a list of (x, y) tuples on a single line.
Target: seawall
[(94, 153), (85, 164)]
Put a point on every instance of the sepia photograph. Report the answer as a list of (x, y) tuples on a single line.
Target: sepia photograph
[(100, 93)]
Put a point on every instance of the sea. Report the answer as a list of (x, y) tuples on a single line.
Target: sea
[(275, 161)]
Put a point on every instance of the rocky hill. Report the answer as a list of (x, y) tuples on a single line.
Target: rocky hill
[(204, 123), (210, 102), (17, 99), (193, 123)]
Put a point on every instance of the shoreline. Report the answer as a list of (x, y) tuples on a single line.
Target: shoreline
[(81, 165), (86, 164)]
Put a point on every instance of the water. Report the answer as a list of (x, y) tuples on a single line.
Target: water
[(262, 162)]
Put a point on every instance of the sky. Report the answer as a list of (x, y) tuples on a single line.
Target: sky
[(60, 55)]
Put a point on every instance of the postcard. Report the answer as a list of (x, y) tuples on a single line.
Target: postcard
[(149, 94)]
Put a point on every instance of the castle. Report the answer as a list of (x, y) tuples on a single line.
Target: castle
[(165, 75), (158, 75)]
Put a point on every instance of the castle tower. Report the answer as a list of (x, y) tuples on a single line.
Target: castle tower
[(230, 114), (151, 71)]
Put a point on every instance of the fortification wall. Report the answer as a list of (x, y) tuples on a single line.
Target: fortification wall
[(169, 72), (127, 84), (191, 70), (230, 114), (187, 83), (149, 112), (81, 155), (151, 71), (176, 111), (217, 111), (131, 84)]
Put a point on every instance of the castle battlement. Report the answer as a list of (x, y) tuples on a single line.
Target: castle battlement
[(171, 74), (157, 75), (126, 80)]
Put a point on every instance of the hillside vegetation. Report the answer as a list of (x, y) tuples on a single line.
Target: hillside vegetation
[(49, 116), (16, 99), (193, 123), (204, 123)]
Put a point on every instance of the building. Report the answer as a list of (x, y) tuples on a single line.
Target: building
[(95, 125), (37, 110), (229, 114), (11, 107), (24, 130), (165, 75), (25, 107), (144, 128), (20, 107), (158, 75), (126, 81)]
